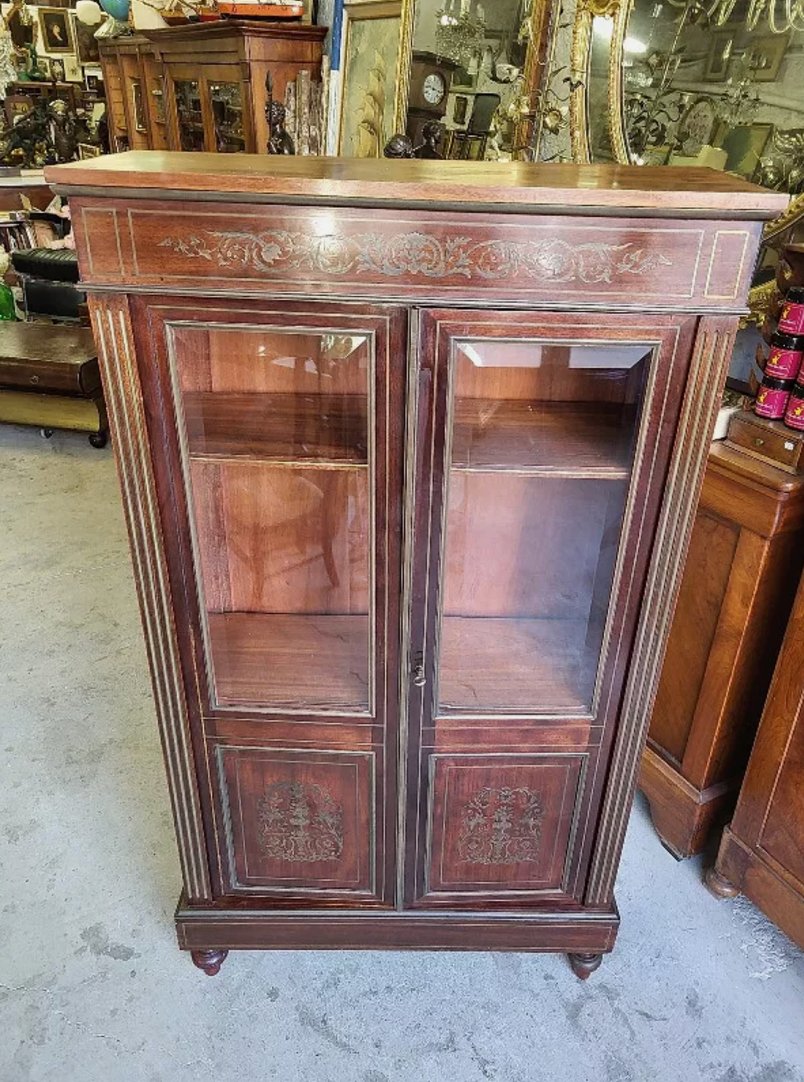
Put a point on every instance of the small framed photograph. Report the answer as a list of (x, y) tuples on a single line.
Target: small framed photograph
[(87, 150), (43, 64), (57, 72), (73, 72), (55, 30), (91, 82), (720, 56), (765, 56)]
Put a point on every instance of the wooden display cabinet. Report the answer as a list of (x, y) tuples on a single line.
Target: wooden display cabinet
[(745, 556), (409, 454), (762, 850), (203, 86)]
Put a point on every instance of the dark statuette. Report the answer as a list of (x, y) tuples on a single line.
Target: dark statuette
[(279, 142), (432, 134), (398, 146)]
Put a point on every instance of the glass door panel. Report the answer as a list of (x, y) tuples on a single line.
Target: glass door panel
[(189, 114), (275, 425), (542, 442), (226, 100)]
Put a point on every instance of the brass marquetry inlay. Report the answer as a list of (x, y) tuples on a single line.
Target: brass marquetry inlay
[(300, 823), (501, 826), (417, 253)]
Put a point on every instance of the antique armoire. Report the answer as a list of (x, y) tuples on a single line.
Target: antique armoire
[(409, 453)]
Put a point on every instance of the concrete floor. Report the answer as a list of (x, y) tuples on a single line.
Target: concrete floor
[(92, 986)]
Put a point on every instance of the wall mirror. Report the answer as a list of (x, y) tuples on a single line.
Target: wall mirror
[(695, 82), (471, 69)]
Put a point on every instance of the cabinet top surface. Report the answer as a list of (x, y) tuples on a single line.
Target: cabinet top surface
[(488, 185)]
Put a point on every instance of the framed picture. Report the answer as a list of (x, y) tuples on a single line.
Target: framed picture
[(43, 64), (765, 56), (55, 31), (370, 77), (91, 82), (744, 147), (459, 110), (57, 72), (718, 60), (74, 73), (697, 126), (17, 105), (86, 150), (86, 44), (21, 26)]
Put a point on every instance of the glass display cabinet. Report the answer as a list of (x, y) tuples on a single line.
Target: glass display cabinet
[(409, 455), (202, 86)]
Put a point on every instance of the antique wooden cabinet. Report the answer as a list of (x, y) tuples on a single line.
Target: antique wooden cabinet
[(745, 556), (409, 453), (203, 86), (762, 850)]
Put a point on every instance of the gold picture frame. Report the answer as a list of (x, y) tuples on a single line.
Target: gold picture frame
[(371, 94), (55, 30)]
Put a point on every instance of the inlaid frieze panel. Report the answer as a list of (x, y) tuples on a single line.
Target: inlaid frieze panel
[(300, 821), (501, 823), (340, 251)]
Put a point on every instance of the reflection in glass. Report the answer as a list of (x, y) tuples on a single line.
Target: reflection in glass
[(276, 440), (191, 119), (543, 439), (227, 114)]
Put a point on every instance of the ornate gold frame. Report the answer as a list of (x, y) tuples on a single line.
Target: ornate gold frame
[(586, 11), (358, 10)]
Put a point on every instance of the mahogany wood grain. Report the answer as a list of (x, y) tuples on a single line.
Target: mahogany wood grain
[(762, 850), (413, 254), (568, 545), (295, 660), (746, 552), (214, 260), (635, 188)]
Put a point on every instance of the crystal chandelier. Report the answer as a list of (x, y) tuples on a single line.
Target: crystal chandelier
[(778, 16), (460, 32)]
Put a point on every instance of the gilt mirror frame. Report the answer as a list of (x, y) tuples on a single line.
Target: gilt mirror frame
[(776, 231), (586, 11)]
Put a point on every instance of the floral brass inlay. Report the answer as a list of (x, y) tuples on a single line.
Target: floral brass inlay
[(417, 254), (300, 822), (501, 826)]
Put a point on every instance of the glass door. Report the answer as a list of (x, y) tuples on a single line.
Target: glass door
[(282, 441), (279, 478), (542, 467)]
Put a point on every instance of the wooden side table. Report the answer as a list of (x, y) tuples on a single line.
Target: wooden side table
[(762, 850), (744, 560), (49, 378)]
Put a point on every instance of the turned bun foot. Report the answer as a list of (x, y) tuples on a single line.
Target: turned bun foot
[(720, 887), (209, 961), (584, 964)]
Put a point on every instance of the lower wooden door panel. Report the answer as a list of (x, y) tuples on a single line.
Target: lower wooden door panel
[(298, 822), (500, 825)]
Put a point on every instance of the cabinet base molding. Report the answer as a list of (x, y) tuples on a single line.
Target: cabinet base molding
[(684, 817), (747, 873), (215, 931)]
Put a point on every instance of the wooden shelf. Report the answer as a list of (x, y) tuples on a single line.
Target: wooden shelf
[(279, 427), (301, 661), (495, 664), (571, 439)]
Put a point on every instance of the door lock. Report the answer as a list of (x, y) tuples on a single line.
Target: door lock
[(417, 671)]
